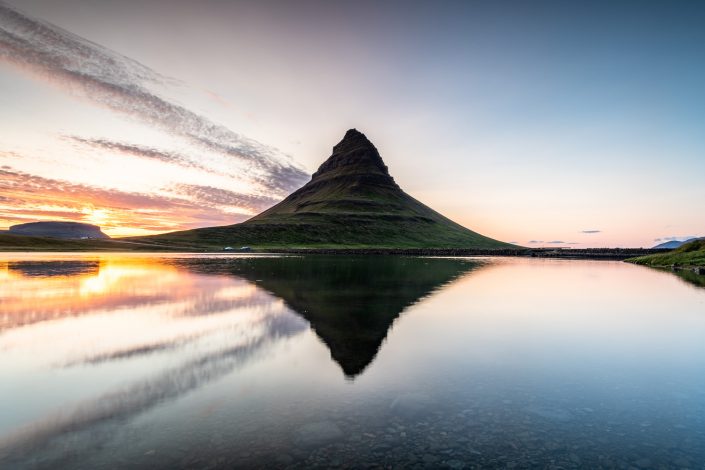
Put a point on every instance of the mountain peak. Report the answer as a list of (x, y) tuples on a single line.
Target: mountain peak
[(355, 155), (352, 138), (351, 201)]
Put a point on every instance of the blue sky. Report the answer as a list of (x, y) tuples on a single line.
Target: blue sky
[(525, 121)]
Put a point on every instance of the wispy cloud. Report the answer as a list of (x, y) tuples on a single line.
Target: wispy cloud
[(140, 151), (91, 416), (126, 86), (552, 242), (26, 197), (591, 231), (222, 197)]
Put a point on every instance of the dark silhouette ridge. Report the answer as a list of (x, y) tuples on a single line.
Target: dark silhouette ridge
[(350, 302), (52, 229)]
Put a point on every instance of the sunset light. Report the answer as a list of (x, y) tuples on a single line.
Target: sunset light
[(328, 234)]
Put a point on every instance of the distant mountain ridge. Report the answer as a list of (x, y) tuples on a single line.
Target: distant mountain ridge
[(673, 244), (55, 229), (351, 201)]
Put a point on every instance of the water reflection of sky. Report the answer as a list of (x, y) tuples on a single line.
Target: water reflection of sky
[(157, 332), (180, 362)]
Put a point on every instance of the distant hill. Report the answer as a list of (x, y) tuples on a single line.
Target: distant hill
[(63, 230), (672, 244), (351, 202), (690, 254)]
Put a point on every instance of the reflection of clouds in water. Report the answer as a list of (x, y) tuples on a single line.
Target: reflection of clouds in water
[(279, 325), (127, 308), (141, 350), (142, 395), (120, 312), (34, 292)]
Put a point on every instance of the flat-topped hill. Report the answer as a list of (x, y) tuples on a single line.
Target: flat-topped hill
[(57, 229)]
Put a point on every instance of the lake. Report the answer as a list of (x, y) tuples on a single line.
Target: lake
[(255, 361)]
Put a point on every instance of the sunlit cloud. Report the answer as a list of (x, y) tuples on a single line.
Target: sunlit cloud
[(25, 197), (117, 83)]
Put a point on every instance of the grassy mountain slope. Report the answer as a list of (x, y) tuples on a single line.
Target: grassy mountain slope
[(350, 202), (690, 254)]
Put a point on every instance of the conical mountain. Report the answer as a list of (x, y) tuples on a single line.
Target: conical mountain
[(353, 180), (351, 201)]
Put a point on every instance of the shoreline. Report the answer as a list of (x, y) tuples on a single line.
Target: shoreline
[(586, 253)]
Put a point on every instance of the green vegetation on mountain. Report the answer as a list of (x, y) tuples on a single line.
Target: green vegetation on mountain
[(350, 202), (690, 254)]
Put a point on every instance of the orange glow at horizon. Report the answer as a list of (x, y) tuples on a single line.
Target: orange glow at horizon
[(95, 283), (25, 198)]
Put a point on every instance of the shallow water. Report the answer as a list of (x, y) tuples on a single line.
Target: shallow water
[(176, 361)]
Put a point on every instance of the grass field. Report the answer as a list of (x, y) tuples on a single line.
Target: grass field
[(24, 243), (690, 254)]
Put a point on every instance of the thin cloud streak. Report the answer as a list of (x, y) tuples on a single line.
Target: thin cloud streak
[(122, 85), (223, 197), (140, 151), (126, 403)]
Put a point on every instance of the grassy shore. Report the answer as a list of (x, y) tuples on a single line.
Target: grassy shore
[(10, 242), (689, 255)]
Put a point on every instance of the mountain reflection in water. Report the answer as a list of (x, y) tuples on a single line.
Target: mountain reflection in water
[(350, 302), (162, 327)]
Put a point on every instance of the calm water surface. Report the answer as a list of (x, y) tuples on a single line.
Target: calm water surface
[(176, 361)]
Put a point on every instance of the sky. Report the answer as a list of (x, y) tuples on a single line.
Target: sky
[(571, 124)]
